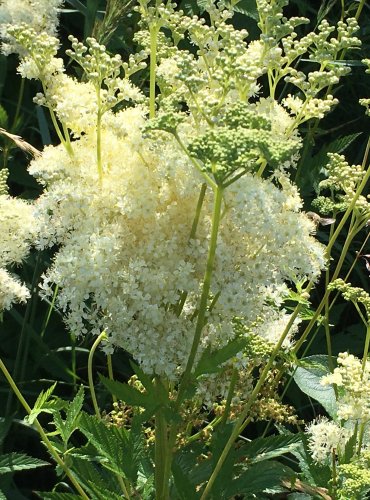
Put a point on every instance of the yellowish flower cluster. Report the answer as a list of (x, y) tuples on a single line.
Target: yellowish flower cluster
[(353, 380), (18, 230), (125, 256)]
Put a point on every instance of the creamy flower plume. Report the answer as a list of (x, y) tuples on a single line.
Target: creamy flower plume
[(125, 256), (41, 15)]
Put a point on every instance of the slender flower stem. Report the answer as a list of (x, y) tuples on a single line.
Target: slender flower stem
[(210, 181), (239, 423), (110, 374), (366, 347), (205, 291), (193, 232), (98, 138), (162, 450), (230, 393), (42, 433), (101, 337), (153, 67)]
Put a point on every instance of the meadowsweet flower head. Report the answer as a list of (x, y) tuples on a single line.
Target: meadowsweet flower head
[(353, 381), (18, 230), (41, 15), (326, 438), (136, 226)]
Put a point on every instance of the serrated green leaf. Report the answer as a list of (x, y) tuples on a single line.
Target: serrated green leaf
[(259, 477), (185, 489), (210, 361), (2, 495), (12, 462), (122, 449), (104, 492), (42, 404), (130, 395), (308, 376), (73, 413), (248, 8), (261, 449), (54, 495)]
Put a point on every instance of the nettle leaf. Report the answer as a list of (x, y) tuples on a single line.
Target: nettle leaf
[(308, 376), (123, 450), (54, 495), (189, 472), (73, 413), (259, 477), (91, 475), (43, 405), (211, 361), (185, 489), (248, 8), (130, 395), (67, 427), (12, 462), (261, 449)]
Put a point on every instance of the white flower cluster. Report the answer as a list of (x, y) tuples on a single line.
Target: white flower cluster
[(42, 15), (18, 229), (326, 438), (125, 257), (354, 382)]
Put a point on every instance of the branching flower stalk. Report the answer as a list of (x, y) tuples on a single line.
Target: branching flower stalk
[(240, 421)]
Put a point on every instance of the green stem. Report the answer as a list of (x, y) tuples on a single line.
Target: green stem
[(193, 232), (49, 311), (202, 432), (98, 138), (163, 456), (239, 423), (110, 374), (334, 475), (101, 337), (205, 291), (210, 181), (153, 67), (18, 108), (359, 9), (230, 393), (23, 345), (366, 347), (40, 430), (313, 320)]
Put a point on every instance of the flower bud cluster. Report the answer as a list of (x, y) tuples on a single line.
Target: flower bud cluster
[(353, 381), (103, 72), (40, 15), (353, 294), (4, 174), (366, 102), (343, 180), (242, 139), (354, 478), (37, 50)]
